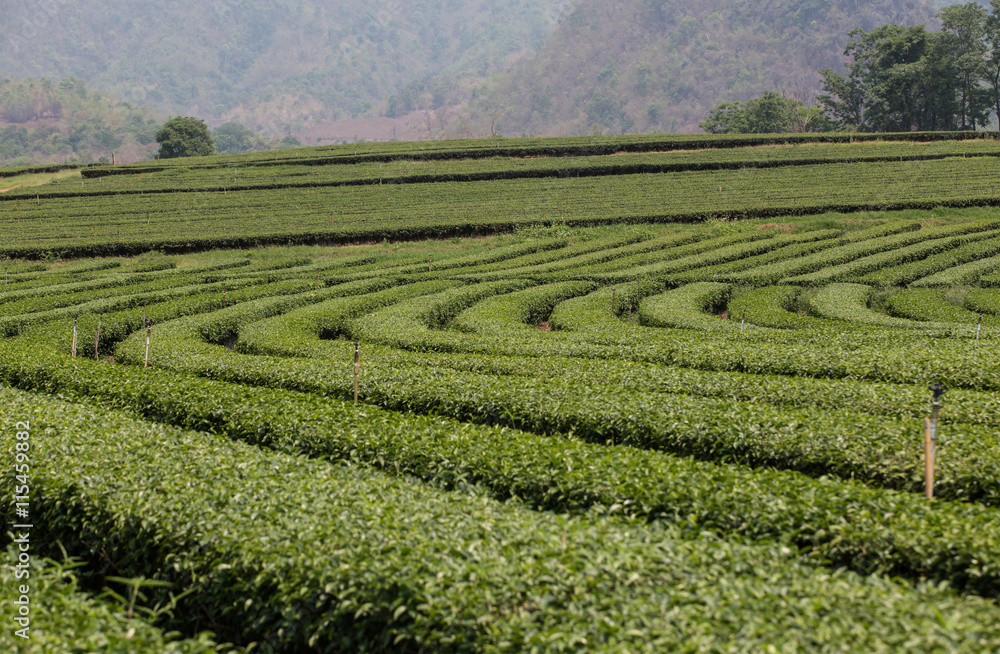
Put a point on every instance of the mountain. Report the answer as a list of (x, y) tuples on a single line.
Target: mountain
[(661, 65), (42, 121), (277, 66)]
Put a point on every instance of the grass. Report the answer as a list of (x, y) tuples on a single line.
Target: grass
[(38, 179)]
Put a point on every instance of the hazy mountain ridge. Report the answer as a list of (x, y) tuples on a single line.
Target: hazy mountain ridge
[(278, 65), (42, 121), (322, 71), (660, 66)]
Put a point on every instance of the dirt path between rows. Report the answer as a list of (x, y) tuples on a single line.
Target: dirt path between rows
[(4, 190)]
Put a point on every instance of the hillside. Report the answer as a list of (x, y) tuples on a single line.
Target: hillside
[(643, 66), (277, 67), (44, 122)]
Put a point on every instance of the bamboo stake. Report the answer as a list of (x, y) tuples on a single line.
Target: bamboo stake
[(930, 436), (928, 459), (75, 318), (744, 321), (149, 333), (979, 327), (357, 363), (97, 337)]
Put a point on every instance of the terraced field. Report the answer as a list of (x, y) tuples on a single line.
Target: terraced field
[(646, 434)]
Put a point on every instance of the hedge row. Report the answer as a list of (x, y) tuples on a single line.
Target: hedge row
[(833, 521), (62, 618), (378, 563)]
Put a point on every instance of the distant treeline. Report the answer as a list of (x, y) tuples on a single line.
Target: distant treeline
[(64, 121), (899, 79), (907, 78)]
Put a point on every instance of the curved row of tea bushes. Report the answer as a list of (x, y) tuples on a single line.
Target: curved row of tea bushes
[(848, 444), (962, 274), (897, 257), (855, 249), (772, 306), (831, 520), (378, 563), (932, 304), (692, 306), (910, 272)]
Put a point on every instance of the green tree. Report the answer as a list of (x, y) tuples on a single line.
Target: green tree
[(184, 137), (964, 27), (992, 68), (234, 138), (901, 79), (771, 113)]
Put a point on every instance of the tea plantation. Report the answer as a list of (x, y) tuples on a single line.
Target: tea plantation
[(632, 394)]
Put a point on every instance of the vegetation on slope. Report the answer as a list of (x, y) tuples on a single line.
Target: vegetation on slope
[(280, 65), (644, 66)]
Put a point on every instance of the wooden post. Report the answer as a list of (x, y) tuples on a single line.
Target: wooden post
[(97, 337), (357, 363), (930, 435), (928, 459), (75, 319), (149, 333)]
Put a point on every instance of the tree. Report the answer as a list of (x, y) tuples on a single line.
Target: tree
[(771, 113), (901, 79), (184, 137), (964, 27), (992, 73), (234, 138)]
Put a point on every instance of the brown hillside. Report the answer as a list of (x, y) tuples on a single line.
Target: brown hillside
[(659, 66)]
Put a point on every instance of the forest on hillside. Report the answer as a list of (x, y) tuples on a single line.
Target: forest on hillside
[(45, 121), (661, 65), (280, 65), (505, 67)]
